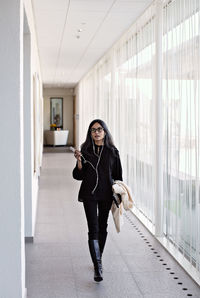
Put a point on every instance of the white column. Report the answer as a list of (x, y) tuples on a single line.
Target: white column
[(12, 271), (28, 135), (158, 125)]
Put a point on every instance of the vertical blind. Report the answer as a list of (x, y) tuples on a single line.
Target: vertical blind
[(181, 136), (121, 90)]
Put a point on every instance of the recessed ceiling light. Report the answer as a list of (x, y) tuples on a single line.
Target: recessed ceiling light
[(80, 30), (78, 36)]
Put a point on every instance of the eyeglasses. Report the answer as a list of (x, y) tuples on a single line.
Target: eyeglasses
[(98, 129)]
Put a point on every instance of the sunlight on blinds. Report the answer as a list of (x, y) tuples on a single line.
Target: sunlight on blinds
[(181, 99)]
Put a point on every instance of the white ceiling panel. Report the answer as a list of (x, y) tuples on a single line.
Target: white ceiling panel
[(91, 20), (135, 1), (128, 6), (90, 6), (48, 5), (112, 26), (66, 54)]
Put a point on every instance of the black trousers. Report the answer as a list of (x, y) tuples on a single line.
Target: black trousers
[(97, 213)]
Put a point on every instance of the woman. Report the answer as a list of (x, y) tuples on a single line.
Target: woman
[(98, 165)]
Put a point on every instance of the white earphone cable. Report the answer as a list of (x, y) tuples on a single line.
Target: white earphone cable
[(95, 168)]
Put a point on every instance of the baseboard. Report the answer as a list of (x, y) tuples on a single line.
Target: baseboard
[(29, 239)]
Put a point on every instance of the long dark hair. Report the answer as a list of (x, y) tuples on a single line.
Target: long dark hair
[(108, 140)]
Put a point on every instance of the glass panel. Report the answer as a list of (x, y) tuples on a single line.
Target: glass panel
[(181, 90)]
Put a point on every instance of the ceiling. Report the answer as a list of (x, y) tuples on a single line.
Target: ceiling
[(67, 54)]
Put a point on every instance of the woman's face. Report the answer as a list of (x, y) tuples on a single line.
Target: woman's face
[(97, 133)]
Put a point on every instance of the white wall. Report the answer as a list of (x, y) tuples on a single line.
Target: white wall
[(32, 134), (18, 175), (12, 267), (76, 92), (67, 95), (28, 108)]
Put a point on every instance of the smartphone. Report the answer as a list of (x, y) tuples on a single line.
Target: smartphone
[(72, 149)]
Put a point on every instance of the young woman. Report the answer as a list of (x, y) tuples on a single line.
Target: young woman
[(98, 165)]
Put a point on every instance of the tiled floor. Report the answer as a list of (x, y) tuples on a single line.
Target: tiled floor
[(58, 264)]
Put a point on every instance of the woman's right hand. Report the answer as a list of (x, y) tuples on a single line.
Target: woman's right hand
[(77, 155)]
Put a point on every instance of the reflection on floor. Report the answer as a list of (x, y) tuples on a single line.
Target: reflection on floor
[(58, 264)]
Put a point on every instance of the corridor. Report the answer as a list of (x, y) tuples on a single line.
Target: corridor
[(58, 264)]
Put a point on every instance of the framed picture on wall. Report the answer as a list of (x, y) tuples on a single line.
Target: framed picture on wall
[(56, 112)]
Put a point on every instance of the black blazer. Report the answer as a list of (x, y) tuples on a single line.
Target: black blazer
[(109, 169)]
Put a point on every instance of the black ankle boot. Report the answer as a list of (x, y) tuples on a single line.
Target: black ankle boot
[(96, 259)]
